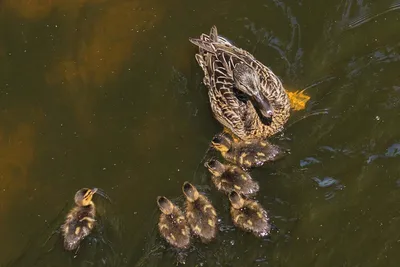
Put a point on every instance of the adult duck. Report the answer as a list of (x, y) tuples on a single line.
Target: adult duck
[(246, 97)]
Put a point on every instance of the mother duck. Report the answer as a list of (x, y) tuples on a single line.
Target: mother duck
[(246, 97)]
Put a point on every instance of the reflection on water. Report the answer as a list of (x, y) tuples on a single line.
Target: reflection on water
[(17, 148), (104, 44), (122, 108)]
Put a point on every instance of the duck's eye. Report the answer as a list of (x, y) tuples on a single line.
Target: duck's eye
[(216, 140)]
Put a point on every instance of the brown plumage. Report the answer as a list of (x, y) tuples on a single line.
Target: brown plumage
[(228, 178), (80, 220), (200, 213), (249, 215), (172, 224), (234, 77), (246, 154)]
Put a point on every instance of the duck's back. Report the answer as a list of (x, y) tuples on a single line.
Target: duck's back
[(258, 217), (255, 153), (202, 218), (218, 57), (236, 179), (174, 229), (77, 226)]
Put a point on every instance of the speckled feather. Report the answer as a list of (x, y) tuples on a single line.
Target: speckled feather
[(202, 218), (175, 229), (217, 57), (234, 178), (78, 224), (252, 153), (252, 218)]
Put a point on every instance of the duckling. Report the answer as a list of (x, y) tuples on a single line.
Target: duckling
[(200, 213), (227, 178), (172, 224), (249, 215), (247, 154), (80, 220)]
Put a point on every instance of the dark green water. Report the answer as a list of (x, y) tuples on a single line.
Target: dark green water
[(108, 94)]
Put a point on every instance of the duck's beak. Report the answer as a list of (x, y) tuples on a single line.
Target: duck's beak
[(101, 193), (263, 105)]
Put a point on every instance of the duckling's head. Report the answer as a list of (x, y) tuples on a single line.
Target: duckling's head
[(84, 196), (190, 192), (165, 205), (215, 167), (236, 200), (222, 143), (247, 80)]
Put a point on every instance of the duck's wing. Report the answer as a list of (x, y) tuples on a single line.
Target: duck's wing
[(227, 108)]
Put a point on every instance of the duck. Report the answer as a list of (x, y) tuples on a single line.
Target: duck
[(228, 178), (200, 213), (80, 221), (249, 215), (246, 154), (246, 97), (172, 224)]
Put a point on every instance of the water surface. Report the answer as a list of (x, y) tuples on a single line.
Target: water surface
[(108, 94)]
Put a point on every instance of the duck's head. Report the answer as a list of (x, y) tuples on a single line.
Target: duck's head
[(165, 205), (190, 192), (221, 143), (247, 81), (84, 196), (215, 167), (236, 200)]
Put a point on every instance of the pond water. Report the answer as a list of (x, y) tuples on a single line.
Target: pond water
[(108, 94)]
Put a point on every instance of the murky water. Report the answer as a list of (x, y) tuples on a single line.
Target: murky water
[(108, 94)]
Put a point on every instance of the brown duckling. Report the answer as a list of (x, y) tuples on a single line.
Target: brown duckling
[(200, 213), (249, 215), (227, 178), (172, 224), (81, 219), (247, 154)]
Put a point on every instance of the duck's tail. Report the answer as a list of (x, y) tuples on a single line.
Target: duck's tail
[(205, 42), (203, 45), (214, 34)]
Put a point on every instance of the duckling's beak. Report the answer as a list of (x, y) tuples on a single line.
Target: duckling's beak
[(264, 106), (101, 193)]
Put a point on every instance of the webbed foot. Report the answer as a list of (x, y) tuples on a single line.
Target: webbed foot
[(298, 99)]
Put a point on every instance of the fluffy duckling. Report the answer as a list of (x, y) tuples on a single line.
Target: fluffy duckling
[(227, 178), (172, 224), (200, 213), (81, 219), (249, 215), (247, 154)]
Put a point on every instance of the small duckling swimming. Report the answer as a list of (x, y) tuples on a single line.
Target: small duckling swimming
[(249, 215), (81, 219), (200, 213), (227, 178), (172, 224), (247, 154)]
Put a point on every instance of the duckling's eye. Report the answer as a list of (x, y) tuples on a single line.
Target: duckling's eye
[(216, 140)]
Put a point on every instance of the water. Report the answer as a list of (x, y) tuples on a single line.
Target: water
[(108, 94)]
